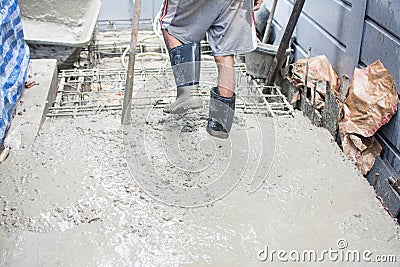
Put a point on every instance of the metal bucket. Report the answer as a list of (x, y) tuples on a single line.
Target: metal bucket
[(260, 60)]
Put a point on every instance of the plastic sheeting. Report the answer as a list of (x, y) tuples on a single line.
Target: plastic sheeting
[(14, 60)]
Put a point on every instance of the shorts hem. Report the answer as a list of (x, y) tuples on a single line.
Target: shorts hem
[(174, 34)]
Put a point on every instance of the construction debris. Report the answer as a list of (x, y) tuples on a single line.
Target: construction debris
[(4, 154)]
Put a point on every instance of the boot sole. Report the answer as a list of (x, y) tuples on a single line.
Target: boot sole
[(184, 107), (217, 134)]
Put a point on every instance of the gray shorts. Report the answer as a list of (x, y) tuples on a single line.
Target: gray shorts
[(229, 24)]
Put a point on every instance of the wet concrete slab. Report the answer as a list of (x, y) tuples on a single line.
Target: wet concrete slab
[(71, 199), (89, 192)]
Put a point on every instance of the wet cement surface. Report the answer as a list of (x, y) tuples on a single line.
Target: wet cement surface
[(69, 13), (70, 200)]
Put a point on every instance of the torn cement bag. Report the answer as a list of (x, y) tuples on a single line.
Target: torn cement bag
[(371, 103), (320, 72), (362, 150)]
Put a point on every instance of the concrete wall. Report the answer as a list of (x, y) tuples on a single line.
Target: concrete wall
[(351, 34)]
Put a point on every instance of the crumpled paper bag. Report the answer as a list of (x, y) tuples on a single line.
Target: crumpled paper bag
[(362, 150), (320, 71), (371, 103), (372, 100)]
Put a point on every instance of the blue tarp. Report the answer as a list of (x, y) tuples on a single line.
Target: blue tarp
[(14, 60)]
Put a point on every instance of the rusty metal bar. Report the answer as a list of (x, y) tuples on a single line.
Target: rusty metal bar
[(305, 87), (127, 105)]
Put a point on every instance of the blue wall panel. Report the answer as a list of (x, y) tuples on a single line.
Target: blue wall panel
[(381, 40), (380, 44), (335, 11), (310, 34), (386, 13)]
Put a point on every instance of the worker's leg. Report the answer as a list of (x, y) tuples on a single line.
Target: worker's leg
[(170, 41), (222, 99), (233, 32), (226, 75), (184, 25), (185, 63)]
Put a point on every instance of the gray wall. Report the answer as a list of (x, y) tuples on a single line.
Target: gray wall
[(381, 40), (351, 33), (116, 10), (123, 9)]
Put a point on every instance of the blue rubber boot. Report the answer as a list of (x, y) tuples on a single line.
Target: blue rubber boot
[(221, 113), (185, 62)]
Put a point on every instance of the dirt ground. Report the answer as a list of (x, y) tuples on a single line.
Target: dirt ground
[(75, 198)]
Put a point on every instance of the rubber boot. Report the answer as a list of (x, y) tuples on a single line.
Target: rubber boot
[(222, 111), (185, 100), (185, 62)]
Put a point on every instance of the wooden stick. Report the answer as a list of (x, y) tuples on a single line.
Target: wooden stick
[(127, 105), (267, 32)]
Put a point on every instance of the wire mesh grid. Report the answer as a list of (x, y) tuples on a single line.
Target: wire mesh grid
[(101, 87), (88, 91)]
